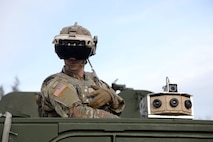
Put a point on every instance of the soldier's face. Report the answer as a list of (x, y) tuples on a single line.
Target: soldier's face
[(73, 64)]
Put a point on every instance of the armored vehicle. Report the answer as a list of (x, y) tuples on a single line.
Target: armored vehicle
[(167, 116)]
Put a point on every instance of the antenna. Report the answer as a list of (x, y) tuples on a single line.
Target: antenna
[(169, 87), (167, 80)]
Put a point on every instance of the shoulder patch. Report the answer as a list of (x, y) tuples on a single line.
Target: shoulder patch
[(59, 89)]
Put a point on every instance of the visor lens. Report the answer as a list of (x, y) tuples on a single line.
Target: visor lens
[(66, 52)]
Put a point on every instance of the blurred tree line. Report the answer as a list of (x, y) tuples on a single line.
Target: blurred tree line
[(14, 87)]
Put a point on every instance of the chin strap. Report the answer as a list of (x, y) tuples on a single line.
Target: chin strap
[(96, 79)]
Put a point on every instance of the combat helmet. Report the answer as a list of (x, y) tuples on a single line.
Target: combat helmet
[(75, 42)]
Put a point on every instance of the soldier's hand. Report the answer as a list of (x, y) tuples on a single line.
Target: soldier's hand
[(101, 97)]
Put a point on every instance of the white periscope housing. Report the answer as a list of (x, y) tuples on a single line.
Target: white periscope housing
[(167, 105)]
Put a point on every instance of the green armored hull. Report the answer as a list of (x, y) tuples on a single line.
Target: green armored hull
[(25, 124), (109, 130)]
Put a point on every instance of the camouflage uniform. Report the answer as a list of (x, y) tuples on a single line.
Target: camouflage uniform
[(66, 96)]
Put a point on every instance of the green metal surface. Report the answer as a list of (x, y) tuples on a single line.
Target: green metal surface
[(132, 99), (20, 104), (28, 127), (112, 130)]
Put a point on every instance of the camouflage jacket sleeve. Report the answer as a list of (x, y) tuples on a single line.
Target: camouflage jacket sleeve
[(64, 99), (118, 103)]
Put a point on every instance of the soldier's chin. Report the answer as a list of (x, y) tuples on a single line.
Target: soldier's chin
[(74, 67)]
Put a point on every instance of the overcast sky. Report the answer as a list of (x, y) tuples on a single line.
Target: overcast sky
[(140, 42)]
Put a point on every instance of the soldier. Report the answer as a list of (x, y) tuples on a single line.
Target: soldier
[(73, 92)]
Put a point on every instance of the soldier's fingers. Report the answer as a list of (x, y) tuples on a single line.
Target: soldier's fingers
[(94, 93), (97, 102), (95, 87)]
